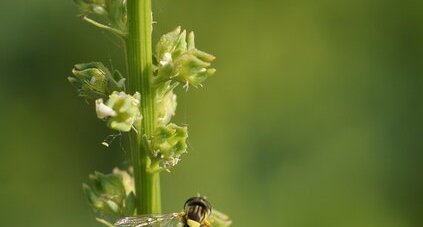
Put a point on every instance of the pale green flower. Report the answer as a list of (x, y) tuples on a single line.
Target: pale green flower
[(121, 111), (180, 61), (168, 144)]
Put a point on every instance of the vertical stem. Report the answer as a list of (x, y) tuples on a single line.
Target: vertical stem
[(139, 55)]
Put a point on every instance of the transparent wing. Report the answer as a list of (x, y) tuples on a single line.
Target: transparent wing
[(166, 220), (219, 219)]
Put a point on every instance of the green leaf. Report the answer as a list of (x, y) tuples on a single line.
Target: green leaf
[(130, 205)]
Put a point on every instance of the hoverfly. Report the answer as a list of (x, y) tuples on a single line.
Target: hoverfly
[(195, 214)]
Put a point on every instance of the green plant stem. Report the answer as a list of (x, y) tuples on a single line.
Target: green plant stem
[(139, 55)]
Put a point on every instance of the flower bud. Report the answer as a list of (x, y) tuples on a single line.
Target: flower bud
[(93, 80), (127, 180), (90, 80), (169, 143), (92, 6), (112, 13), (108, 184), (165, 103), (117, 14), (190, 41), (121, 110), (192, 67), (181, 61), (172, 43), (107, 195)]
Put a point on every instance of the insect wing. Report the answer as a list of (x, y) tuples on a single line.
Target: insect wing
[(219, 219), (167, 220)]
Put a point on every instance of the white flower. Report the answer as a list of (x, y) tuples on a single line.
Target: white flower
[(121, 110), (102, 110), (167, 58)]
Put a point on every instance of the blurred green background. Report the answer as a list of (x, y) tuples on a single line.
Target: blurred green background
[(314, 118)]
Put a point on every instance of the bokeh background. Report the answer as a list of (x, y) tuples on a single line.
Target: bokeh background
[(314, 118)]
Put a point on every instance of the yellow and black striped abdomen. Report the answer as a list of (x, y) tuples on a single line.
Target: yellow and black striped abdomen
[(197, 209)]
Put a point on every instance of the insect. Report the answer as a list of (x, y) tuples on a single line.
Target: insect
[(195, 214)]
